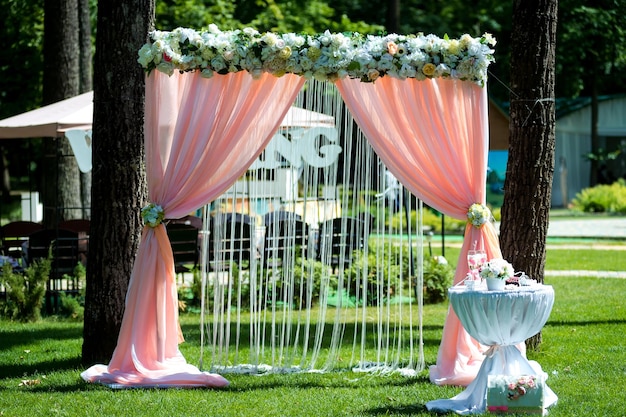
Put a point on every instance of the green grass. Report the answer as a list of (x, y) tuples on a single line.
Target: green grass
[(583, 352), (568, 256)]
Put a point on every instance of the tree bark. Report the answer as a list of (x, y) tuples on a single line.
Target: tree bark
[(118, 180), (86, 84), (61, 188), (393, 16), (530, 169)]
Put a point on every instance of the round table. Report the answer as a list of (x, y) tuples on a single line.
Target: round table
[(501, 320)]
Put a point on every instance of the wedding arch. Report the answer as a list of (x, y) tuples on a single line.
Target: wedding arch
[(214, 100)]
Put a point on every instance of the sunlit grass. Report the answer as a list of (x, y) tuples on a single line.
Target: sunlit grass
[(582, 351)]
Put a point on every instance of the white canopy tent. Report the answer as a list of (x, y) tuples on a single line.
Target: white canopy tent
[(73, 119)]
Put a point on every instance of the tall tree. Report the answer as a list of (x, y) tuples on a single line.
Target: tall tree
[(61, 189), (530, 169), (85, 85), (118, 182)]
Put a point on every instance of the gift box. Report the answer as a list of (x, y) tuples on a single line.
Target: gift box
[(515, 394)]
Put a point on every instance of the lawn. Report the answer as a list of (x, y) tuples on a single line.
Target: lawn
[(583, 352)]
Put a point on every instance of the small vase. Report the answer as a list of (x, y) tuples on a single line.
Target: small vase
[(495, 284)]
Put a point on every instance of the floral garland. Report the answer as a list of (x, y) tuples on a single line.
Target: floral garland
[(497, 268), (325, 56), (152, 215), (519, 388), (478, 214)]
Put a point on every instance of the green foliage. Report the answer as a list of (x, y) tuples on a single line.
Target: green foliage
[(593, 44), (378, 273), (265, 15), (25, 291), (602, 199), (71, 307), (438, 277)]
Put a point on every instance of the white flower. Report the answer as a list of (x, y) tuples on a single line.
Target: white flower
[(152, 215), (497, 268), (478, 214), (325, 56)]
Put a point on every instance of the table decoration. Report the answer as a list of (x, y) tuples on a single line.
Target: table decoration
[(496, 272), (515, 394), (500, 320)]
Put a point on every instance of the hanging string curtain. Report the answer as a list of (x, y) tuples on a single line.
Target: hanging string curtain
[(201, 135), (433, 136)]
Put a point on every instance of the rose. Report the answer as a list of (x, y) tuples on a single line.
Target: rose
[(392, 48), (429, 69)]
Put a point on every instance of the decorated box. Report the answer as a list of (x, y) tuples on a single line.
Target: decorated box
[(515, 394)]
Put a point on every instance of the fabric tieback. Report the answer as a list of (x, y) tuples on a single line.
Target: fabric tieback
[(479, 214), (152, 215), (491, 351)]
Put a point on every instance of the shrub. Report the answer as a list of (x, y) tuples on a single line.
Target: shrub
[(25, 291), (71, 307), (602, 198), (438, 277)]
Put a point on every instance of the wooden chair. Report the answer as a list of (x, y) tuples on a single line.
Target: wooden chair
[(15, 235), (339, 238), (62, 245), (284, 238), (184, 241), (231, 240), (80, 226), (273, 216)]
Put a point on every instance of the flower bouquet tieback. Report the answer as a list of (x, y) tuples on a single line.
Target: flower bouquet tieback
[(152, 215), (478, 214)]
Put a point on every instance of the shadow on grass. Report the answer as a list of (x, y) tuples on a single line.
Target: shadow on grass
[(192, 333), (337, 379), (585, 323), (30, 335), (408, 410), (42, 367)]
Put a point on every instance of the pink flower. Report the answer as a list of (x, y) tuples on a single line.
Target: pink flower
[(392, 48)]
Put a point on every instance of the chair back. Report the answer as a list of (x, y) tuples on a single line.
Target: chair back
[(80, 226), (339, 238), (15, 235), (277, 215), (184, 242), (285, 238), (231, 241)]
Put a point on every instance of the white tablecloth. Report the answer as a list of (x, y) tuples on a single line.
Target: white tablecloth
[(500, 319)]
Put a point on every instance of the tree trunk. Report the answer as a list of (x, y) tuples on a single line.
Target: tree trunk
[(530, 168), (118, 181), (596, 164), (393, 16), (86, 84), (61, 188)]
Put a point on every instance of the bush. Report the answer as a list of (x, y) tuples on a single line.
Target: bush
[(438, 277), (25, 291), (602, 199)]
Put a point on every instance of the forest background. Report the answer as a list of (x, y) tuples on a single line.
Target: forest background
[(591, 46)]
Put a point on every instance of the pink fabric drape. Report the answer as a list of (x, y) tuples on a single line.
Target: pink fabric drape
[(433, 136), (201, 135)]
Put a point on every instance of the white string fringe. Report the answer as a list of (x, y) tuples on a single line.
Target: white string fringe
[(298, 297)]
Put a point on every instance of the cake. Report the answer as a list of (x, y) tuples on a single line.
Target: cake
[(515, 394)]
